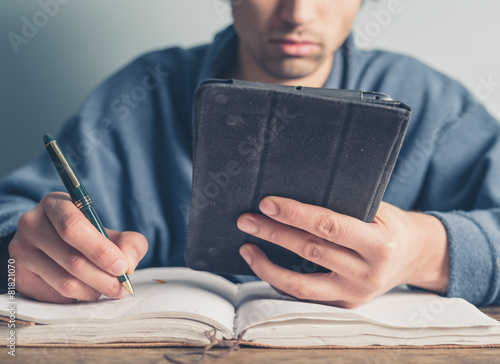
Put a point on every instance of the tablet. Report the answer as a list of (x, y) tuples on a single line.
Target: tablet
[(325, 147)]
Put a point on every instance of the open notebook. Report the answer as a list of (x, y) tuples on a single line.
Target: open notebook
[(176, 306)]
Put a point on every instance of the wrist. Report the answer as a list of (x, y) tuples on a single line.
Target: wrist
[(432, 265)]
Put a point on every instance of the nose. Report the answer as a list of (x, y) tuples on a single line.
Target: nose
[(297, 12)]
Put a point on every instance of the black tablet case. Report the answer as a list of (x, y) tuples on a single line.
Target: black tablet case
[(331, 148)]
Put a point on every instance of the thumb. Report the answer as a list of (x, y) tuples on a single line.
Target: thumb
[(133, 245)]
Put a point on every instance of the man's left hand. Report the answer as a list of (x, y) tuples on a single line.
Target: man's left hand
[(365, 260)]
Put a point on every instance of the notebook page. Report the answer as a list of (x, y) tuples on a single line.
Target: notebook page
[(399, 308), (140, 331), (159, 292)]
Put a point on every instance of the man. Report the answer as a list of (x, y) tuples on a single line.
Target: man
[(133, 151)]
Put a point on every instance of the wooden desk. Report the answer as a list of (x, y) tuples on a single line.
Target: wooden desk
[(253, 355)]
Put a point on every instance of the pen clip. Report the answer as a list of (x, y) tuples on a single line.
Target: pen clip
[(64, 164)]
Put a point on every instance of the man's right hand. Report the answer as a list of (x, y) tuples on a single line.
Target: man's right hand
[(61, 257)]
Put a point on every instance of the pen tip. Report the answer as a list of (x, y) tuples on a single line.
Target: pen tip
[(47, 138), (128, 287)]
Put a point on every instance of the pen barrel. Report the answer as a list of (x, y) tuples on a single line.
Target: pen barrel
[(65, 171), (87, 208)]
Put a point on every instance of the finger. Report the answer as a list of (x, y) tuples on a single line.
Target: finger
[(132, 244), (313, 286), (35, 287), (72, 226), (59, 279), (69, 260), (342, 260), (344, 230)]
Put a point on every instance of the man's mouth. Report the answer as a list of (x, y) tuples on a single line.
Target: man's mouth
[(294, 47)]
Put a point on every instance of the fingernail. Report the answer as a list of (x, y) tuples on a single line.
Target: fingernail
[(246, 254), (268, 207), (247, 225), (119, 268)]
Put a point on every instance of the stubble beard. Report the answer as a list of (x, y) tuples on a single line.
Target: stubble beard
[(290, 67)]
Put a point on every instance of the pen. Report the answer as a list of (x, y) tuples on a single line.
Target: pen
[(78, 194)]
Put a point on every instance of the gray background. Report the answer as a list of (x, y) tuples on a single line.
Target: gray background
[(83, 42)]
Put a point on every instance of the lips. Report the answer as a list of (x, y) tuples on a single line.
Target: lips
[(294, 47)]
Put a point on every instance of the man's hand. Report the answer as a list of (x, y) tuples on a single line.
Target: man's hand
[(61, 257), (365, 259)]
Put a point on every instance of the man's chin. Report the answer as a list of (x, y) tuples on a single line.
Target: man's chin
[(292, 68)]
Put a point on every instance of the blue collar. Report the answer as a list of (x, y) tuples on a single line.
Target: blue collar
[(220, 53)]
